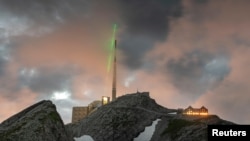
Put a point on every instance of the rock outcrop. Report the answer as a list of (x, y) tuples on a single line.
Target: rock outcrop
[(127, 116), (188, 128), (122, 119), (39, 122)]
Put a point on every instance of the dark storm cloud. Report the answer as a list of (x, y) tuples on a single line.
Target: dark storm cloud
[(149, 17), (4, 57), (240, 41), (135, 47), (200, 1), (38, 17), (196, 72), (145, 23), (45, 11), (2, 66), (46, 81)]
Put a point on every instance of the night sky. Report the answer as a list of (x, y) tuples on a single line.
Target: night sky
[(184, 52)]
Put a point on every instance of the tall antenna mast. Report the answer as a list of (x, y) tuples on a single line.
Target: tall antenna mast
[(114, 76)]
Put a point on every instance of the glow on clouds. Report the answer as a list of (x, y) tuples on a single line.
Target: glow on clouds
[(60, 95)]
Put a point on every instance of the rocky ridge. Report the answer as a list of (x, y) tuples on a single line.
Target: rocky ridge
[(122, 120), (39, 122), (182, 127)]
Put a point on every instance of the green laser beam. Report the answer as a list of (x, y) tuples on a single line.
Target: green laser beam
[(111, 49)]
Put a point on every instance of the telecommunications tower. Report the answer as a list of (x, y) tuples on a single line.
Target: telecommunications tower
[(114, 75)]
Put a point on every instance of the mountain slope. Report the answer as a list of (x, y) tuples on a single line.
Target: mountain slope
[(122, 119), (39, 122), (127, 116), (186, 128)]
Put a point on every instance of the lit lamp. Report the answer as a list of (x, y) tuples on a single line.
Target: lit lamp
[(105, 100)]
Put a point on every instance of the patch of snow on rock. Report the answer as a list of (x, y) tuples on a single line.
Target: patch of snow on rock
[(148, 132), (84, 138)]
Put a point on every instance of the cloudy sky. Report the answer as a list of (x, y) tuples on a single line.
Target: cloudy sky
[(184, 52)]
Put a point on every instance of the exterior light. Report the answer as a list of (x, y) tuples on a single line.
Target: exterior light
[(105, 100)]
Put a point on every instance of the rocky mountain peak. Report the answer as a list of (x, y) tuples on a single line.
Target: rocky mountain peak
[(39, 122), (138, 100)]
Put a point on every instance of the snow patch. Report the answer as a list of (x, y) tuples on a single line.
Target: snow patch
[(148, 132), (84, 138)]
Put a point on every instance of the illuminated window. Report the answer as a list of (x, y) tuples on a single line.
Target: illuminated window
[(105, 100)]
